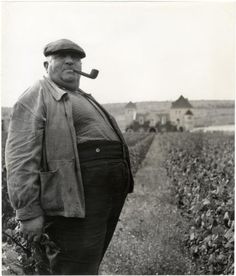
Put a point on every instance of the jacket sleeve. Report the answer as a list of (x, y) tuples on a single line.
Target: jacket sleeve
[(24, 154)]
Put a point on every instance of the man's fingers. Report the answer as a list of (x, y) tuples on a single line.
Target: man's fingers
[(30, 236), (34, 237), (32, 229), (37, 238), (21, 233), (25, 236), (24, 233)]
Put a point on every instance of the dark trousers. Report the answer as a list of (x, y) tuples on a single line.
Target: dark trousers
[(84, 241)]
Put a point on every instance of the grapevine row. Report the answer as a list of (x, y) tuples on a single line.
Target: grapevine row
[(201, 169), (138, 149)]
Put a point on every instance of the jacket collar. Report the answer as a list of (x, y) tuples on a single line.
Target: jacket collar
[(85, 94), (56, 91)]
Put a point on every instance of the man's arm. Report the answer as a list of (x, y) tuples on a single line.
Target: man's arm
[(24, 155)]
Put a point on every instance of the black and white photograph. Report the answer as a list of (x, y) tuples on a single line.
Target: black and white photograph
[(118, 137)]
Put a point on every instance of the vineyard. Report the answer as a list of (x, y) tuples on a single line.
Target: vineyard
[(20, 257), (201, 171), (138, 147), (179, 220)]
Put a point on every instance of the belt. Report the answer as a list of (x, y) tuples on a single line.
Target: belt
[(101, 149)]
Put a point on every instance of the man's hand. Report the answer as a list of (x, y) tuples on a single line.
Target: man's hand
[(32, 228)]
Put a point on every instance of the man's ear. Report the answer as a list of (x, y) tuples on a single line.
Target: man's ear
[(45, 64)]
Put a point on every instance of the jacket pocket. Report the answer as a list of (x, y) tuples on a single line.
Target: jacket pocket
[(51, 190)]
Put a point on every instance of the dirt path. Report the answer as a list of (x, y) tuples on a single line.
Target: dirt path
[(149, 238)]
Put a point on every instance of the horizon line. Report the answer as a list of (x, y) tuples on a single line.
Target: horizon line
[(152, 101)]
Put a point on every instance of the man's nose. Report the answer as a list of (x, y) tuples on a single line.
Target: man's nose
[(69, 59)]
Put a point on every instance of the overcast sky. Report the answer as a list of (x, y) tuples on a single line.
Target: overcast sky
[(150, 51)]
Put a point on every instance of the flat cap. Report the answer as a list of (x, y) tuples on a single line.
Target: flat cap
[(63, 45)]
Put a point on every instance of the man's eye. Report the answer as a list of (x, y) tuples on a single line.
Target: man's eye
[(75, 56), (59, 56)]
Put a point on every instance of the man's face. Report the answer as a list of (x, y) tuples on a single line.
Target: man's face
[(60, 68)]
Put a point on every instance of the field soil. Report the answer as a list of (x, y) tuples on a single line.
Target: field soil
[(149, 237)]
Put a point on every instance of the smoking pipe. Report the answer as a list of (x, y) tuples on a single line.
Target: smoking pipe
[(93, 74)]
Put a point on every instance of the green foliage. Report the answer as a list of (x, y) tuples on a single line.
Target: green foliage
[(201, 169), (21, 257), (134, 137), (138, 147)]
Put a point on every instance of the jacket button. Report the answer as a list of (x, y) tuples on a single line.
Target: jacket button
[(97, 150)]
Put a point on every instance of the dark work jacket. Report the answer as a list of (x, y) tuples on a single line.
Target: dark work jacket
[(42, 159)]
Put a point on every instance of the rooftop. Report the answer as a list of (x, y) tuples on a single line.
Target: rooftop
[(181, 103), (130, 105)]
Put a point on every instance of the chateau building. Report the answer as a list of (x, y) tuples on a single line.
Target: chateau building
[(181, 114), (179, 118)]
